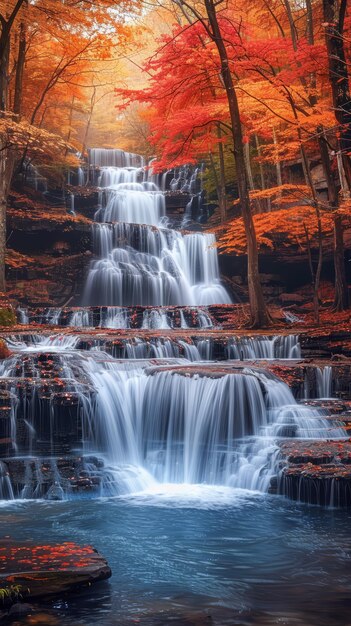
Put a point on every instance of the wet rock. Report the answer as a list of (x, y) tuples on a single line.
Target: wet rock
[(33, 572), (20, 609), (291, 298), (53, 478), (316, 472), (339, 357)]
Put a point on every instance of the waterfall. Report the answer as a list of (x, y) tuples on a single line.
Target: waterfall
[(6, 491), (185, 179), (130, 203), (193, 210), (151, 422), (194, 348), (140, 262), (100, 157), (80, 319), (72, 204), (81, 177), (263, 347), (187, 214), (318, 383), (112, 413), (182, 428), (204, 320), (205, 349), (166, 269), (155, 319), (53, 316), (35, 179), (324, 380), (41, 342), (121, 317), (22, 315)]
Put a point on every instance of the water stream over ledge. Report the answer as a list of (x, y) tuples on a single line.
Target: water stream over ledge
[(141, 261)]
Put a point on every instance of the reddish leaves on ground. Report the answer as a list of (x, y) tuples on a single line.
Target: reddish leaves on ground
[(59, 557)]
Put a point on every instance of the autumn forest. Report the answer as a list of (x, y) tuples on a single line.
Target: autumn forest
[(175, 312)]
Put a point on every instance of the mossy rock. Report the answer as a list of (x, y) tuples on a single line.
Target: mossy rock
[(7, 316)]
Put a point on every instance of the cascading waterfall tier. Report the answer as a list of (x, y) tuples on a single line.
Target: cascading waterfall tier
[(136, 423), (141, 262), (101, 157), (264, 347), (121, 317), (193, 347)]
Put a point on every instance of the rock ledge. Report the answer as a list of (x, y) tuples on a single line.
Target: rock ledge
[(31, 572)]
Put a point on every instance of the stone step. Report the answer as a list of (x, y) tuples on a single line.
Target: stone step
[(315, 472), (132, 317)]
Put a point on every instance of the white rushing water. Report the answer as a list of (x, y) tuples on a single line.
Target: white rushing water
[(264, 347), (42, 343), (140, 261), (101, 157), (324, 378), (191, 348), (164, 426), (192, 429), (120, 317)]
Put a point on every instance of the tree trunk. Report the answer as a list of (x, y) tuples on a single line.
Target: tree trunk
[(7, 155), (4, 77), (5, 172), (327, 170), (6, 169), (222, 198), (221, 206), (313, 275), (90, 115), (338, 75), (21, 57), (260, 316), (341, 295), (257, 203), (341, 300), (262, 177), (70, 124), (277, 160), (6, 22), (334, 17), (265, 204), (250, 179), (3, 204)]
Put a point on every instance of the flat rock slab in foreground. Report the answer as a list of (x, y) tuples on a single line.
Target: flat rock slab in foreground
[(29, 572)]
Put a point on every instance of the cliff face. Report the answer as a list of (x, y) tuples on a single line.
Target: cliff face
[(48, 251), (284, 252)]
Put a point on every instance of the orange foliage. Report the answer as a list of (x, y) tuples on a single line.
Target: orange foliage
[(67, 46), (280, 81), (16, 260), (4, 351), (64, 557), (280, 229), (27, 210)]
